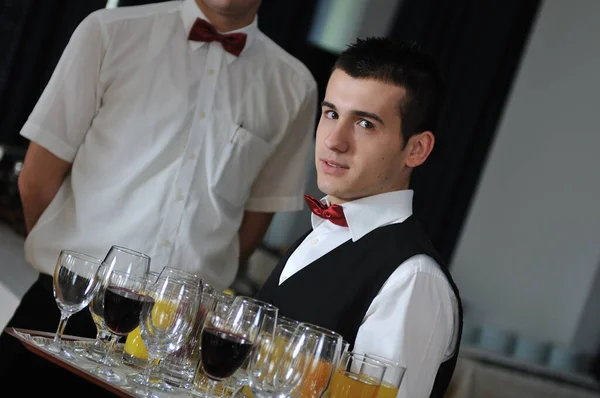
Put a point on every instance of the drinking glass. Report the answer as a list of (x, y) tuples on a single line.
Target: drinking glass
[(356, 376), (227, 340), (117, 258), (178, 368), (167, 319), (326, 356), (74, 285), (135, 350), (278, 363), (268, 323), (124, 297), (392, 378)]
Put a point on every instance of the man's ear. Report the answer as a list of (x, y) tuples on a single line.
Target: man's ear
[(418, 148)]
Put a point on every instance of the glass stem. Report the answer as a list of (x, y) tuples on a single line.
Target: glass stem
[(111, 348), (60, 329), (212, 384), (151, 365)]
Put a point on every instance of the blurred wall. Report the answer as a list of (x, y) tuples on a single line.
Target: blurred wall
[(528, 256)]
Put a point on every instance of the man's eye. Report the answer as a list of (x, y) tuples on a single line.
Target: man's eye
[(366, 124), (330, 114)]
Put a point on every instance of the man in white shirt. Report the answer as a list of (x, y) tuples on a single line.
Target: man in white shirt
[(175, 129), (366, 269)]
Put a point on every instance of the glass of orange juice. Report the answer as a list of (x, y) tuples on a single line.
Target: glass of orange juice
[(356, 377), (392, 378)]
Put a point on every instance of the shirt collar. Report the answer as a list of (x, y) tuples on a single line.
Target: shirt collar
[(190, 11), (366, 214)]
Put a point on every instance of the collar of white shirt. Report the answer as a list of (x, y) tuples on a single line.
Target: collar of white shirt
[(190, 11), (366, 214)]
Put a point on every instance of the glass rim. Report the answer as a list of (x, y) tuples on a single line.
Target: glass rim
[(361, 358), (128, 251), (385, 360), (81, 256), (321, 329)]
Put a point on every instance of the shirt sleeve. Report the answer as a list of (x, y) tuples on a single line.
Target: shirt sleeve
[(281, 183), (64, 111), (411, 321)]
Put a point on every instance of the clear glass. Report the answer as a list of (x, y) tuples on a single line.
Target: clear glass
[(75, 284), (167, 319), (137, 353), (268, 323), (278, 363), (356, 376), (226, 341), (124, 297), (392, 378), (326, 357)]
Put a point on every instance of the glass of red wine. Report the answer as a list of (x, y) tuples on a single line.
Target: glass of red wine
[(118, 258), (227, 339), (124, 297)]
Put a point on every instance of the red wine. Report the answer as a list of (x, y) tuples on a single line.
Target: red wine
[(223, 353), (122, 309)]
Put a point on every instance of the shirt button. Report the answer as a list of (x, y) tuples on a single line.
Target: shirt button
[(202, 115), (166, 243), (314, 241), (192, 156), (211, 72), (179, 197)]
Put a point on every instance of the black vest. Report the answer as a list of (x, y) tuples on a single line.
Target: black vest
[(336, 290)]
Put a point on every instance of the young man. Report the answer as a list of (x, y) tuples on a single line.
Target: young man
[(367, 270), (160, 132)]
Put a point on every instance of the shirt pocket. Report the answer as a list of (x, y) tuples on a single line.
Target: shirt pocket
[(240, 163)]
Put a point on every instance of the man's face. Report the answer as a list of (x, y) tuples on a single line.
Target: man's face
[(358, 149)]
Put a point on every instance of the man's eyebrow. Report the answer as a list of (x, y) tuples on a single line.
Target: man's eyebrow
[(368, 115)]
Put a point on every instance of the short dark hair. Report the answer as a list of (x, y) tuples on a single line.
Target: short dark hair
[(403, 64)]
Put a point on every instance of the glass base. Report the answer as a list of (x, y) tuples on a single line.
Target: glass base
[(137, 379), (107, 374), (58, 349)]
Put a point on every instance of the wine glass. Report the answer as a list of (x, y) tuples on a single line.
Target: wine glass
[(278, 363), (124, 296), (167, 319), (227, 339), (118, 258), (134, 343), (268, 323), (392, 378), (328, 347), (356, 376), (74, 285)]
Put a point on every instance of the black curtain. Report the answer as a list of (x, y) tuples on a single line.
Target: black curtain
[(478, 45), (33, 35)]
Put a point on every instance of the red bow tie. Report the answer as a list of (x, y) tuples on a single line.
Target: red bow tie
[(333, 213), (204, 31)]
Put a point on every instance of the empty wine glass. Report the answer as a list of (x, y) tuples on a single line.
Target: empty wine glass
[(356, 376), (124, 296), (117, 258), (328, 347), (278, 363), (392, 378), (167, 319), (227, 340), (268, 323), (74, 284), (134, 343)]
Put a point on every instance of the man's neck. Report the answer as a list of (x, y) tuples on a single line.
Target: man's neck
[(225, 22)]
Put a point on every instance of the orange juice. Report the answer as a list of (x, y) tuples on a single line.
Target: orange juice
[(349, 385), (315, 380), (387, 390)]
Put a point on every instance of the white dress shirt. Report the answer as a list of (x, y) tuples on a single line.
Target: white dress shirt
[(414, 318), (170, 139)]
